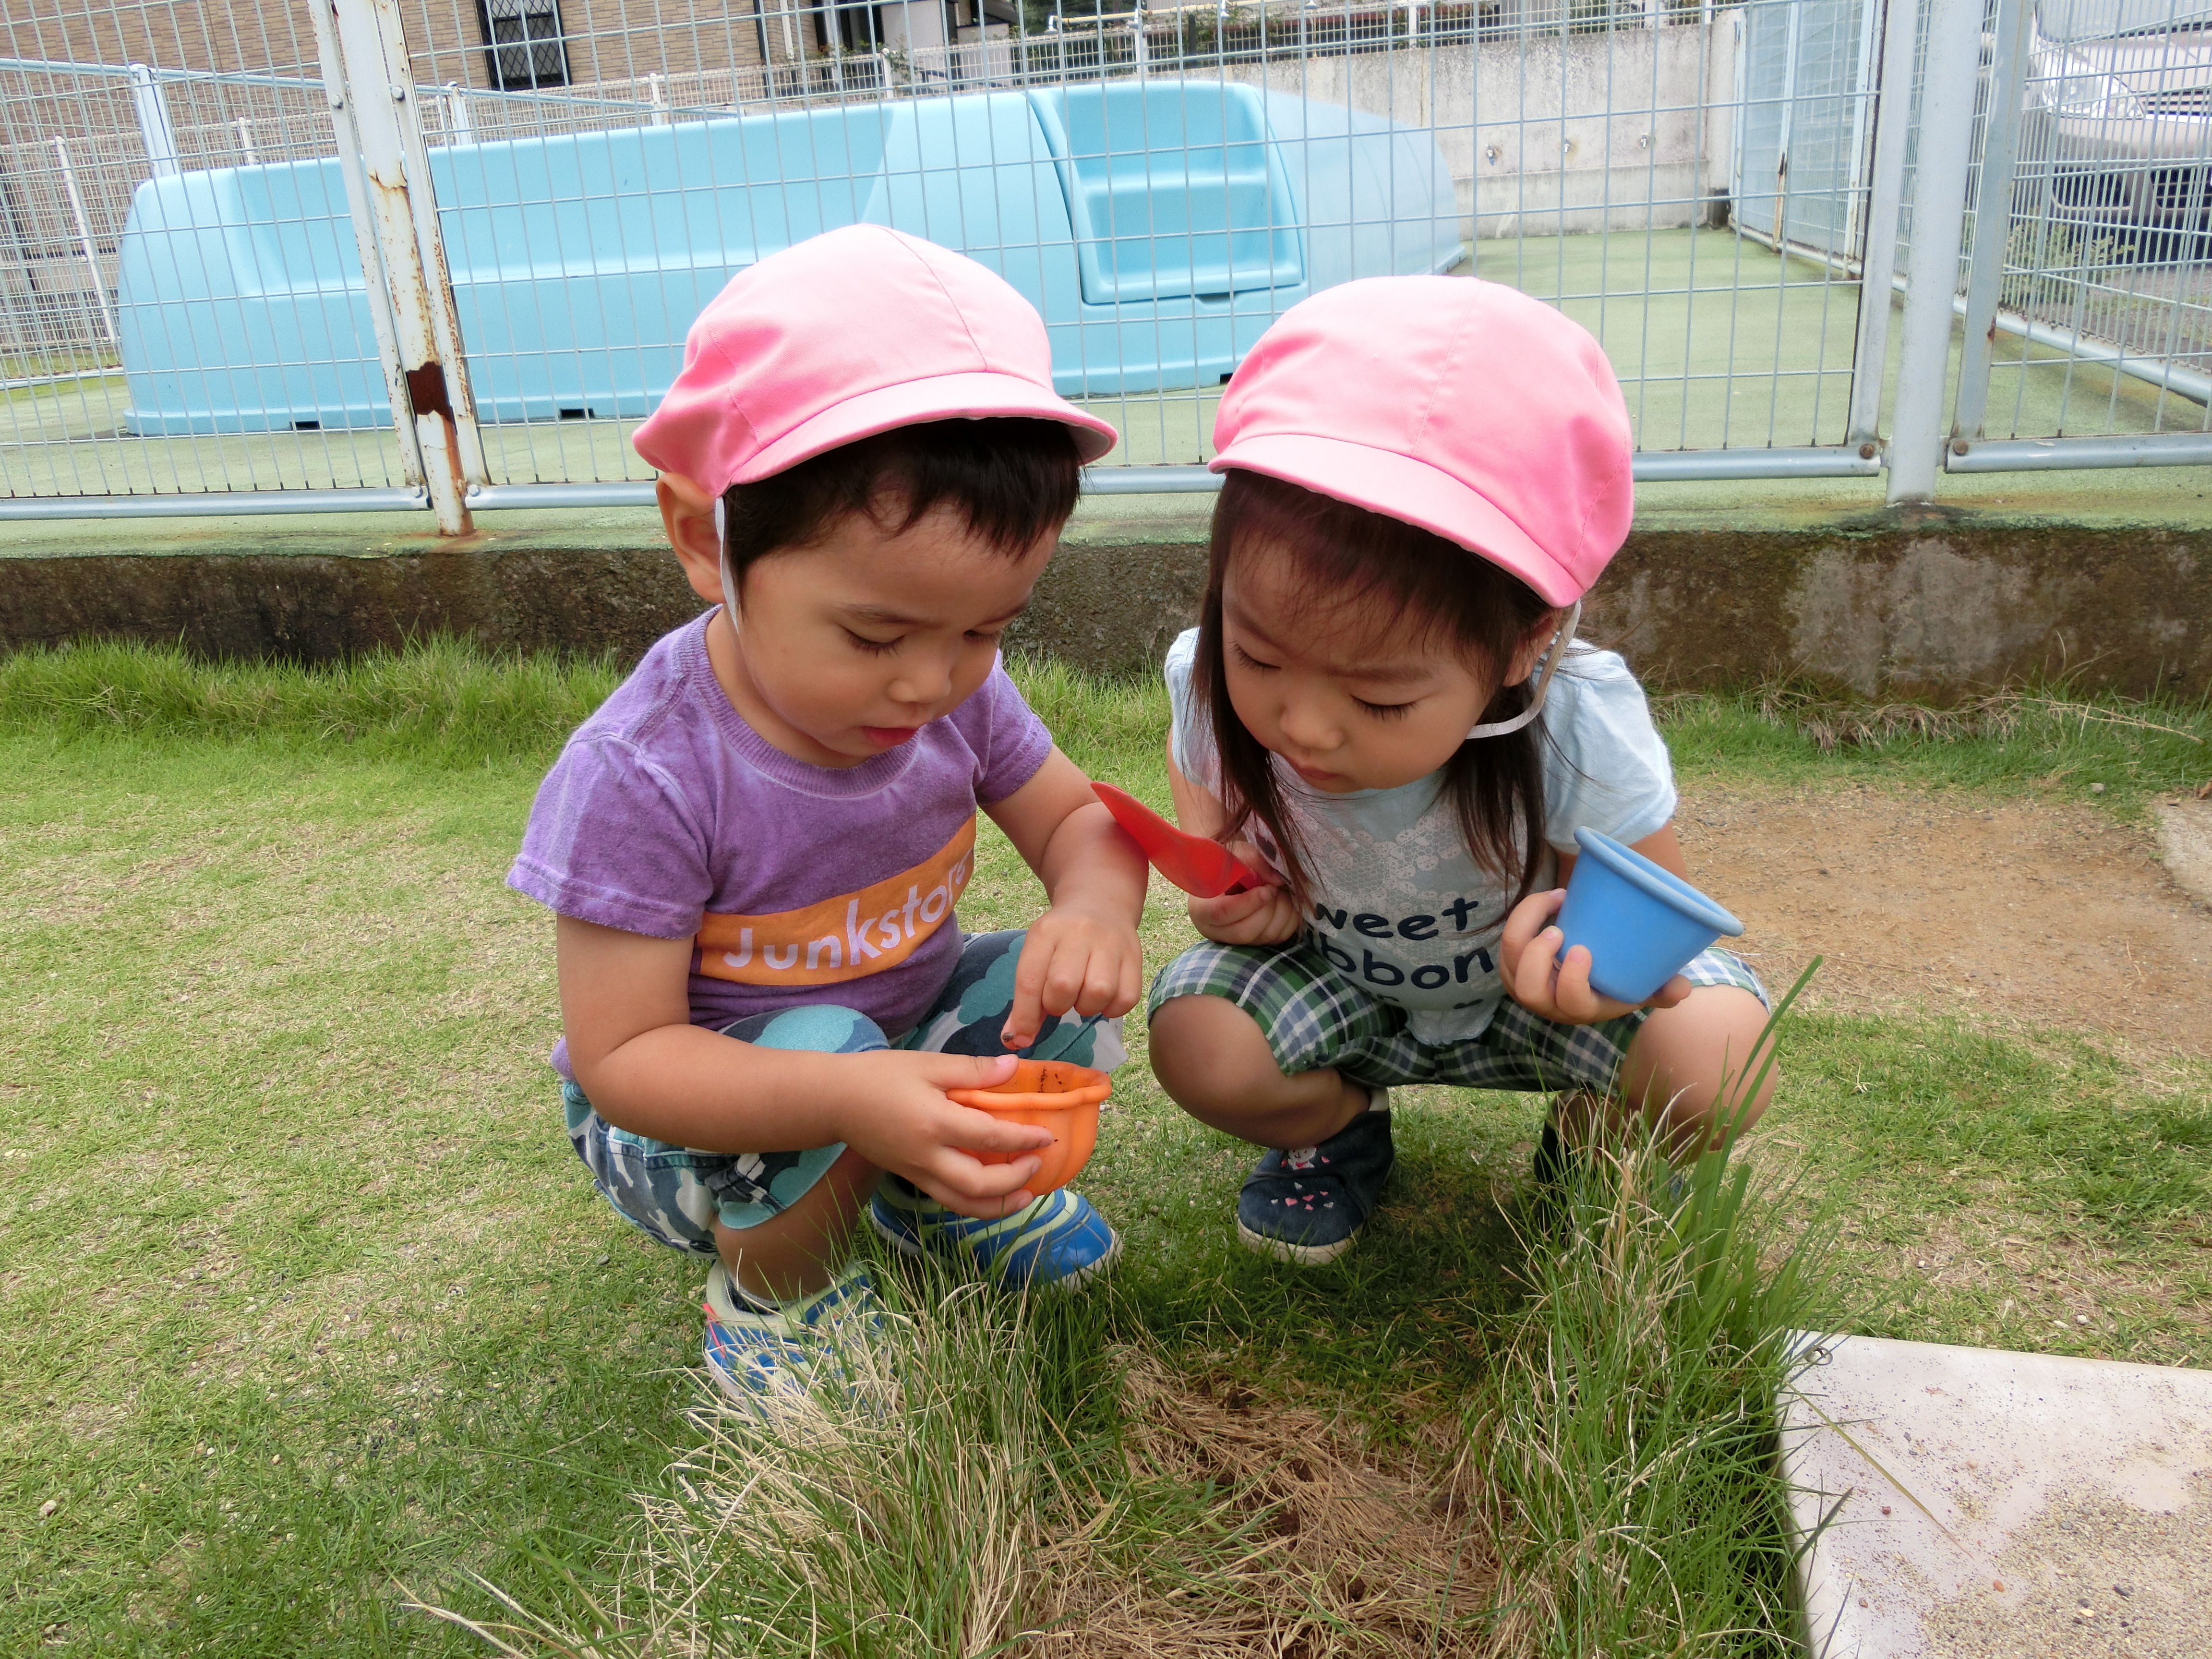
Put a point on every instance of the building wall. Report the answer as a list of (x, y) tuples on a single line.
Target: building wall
[(608, 39), (1543, 132), (272, 36)]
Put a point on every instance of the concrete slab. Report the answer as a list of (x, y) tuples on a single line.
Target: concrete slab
[(1968, 1502), (2185, 845)]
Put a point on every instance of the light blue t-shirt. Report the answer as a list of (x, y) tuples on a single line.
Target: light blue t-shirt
[(1399, 906)]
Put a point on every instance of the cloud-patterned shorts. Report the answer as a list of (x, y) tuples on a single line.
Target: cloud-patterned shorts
[(677, 1194)]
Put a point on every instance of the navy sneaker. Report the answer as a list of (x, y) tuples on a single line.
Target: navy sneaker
[(1555, 1158), (1308, 1204), (1557, 1164)]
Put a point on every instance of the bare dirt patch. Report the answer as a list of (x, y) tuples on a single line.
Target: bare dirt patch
[(2027, 911)]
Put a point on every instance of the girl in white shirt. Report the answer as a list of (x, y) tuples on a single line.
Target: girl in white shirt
[(1385, 710)]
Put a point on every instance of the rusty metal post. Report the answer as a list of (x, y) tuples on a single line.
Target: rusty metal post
[(365, 243), (379, 91)]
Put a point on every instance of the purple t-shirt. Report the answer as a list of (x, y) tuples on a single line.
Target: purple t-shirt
[(667, 815)]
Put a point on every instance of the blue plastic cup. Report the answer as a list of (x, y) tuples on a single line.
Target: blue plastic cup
[(1641, 923)]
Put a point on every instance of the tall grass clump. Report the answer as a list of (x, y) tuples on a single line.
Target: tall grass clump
[(1631, 1441), (438, 700), (892, 1508), (1632, 1446)]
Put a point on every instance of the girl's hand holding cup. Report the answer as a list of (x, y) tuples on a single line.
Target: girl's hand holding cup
[(1536, 977)]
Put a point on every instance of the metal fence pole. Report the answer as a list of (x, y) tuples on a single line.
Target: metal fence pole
[(1954, 29), (84, 237), (380, 320), (374, 56), (153, 109), (1892, 131), (1992, 222)]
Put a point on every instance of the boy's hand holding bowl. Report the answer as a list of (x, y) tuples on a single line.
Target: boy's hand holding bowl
[(1625, 927), (1060, 1098)]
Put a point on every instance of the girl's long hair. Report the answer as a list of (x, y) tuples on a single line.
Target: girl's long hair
[(1337, 555)]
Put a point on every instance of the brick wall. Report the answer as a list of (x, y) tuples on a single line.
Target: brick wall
[(607, 40)]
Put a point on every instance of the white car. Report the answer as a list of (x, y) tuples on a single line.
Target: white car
[(2116, 127)]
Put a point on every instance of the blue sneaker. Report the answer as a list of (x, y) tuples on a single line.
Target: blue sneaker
[(753, 1351), (1307, 1205), (1059, 1240)]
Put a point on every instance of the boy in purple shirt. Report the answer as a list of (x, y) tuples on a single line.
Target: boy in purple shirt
[(754, 846)]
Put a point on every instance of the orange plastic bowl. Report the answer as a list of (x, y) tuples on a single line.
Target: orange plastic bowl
[(1052, 1095)]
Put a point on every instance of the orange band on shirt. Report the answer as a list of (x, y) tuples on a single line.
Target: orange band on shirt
[(849, 937)]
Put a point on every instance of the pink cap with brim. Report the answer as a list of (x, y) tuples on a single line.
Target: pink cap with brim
[(840, 337), (1463, 407)]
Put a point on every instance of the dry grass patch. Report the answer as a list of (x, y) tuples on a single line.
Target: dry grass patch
[(1341, 1552), (964, 1483)]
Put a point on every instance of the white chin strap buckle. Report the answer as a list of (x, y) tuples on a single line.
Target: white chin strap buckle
[(722, 559), (1553, 653)]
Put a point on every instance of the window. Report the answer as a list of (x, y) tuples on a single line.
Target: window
[(522, 43)]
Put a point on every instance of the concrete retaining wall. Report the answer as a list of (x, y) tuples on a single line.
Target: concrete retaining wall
[(1938, 605)]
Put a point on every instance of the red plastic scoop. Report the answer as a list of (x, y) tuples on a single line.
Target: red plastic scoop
[(1202, 868)]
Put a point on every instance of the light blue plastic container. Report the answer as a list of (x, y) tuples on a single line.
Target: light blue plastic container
[(1640, 923), (1159, 227)]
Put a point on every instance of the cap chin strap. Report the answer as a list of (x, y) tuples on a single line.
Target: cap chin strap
[(1553, 653), (722, 562)]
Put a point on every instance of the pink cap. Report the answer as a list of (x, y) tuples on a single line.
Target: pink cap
[(1464, 407), (844, 336)]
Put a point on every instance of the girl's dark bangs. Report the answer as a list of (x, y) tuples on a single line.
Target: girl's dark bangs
[(1342, 556)]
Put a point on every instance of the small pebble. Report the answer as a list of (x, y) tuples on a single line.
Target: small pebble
[(2096, 789), (1996, 1583), (2081, 1318), (604, 1260), (1885, 1509), (2119, 1589), (53, 1504), (1862, 1601)]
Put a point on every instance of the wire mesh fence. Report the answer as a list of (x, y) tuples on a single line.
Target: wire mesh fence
[(2098, 236), (206, 288)]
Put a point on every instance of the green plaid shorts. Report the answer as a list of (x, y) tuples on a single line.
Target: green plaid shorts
[(1314, 1017)]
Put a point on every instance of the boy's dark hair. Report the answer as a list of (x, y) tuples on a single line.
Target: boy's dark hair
[(1340, 554), (1012, 478)]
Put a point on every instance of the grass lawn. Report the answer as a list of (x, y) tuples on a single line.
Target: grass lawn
[(306, 1305)]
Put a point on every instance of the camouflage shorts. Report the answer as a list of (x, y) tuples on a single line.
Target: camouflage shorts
[(677, 1194)]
